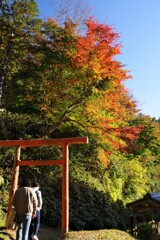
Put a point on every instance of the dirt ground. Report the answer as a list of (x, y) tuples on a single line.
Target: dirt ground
[(45, 233)]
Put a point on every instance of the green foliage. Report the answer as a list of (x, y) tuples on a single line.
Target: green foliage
[(148, 150), (145, 231), (148, 141), (90, 208), (4, 189), (126, 179), (21, 126), (19, 24), (51, 214), (2, 217)]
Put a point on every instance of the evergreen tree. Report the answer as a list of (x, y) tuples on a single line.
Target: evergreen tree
[(18, 23)]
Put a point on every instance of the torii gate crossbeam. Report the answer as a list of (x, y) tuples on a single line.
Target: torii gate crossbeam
[(64, 162)]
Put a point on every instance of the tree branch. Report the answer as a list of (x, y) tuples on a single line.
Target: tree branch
[(63, 116)]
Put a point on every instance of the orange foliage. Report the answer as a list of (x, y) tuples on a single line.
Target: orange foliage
[(103, 156), (95, 53)]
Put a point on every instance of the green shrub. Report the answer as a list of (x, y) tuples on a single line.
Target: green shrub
[(90, 208), (2, 216), (145, 231)]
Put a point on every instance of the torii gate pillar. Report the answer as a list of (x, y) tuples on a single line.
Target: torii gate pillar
[(65, 190)]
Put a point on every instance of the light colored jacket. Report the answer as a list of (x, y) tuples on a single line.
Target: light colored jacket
[(25, 201), (39, 198)]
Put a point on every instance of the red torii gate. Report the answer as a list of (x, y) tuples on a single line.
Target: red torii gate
[(64, 162)]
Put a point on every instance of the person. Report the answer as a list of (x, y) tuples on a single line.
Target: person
[(24, 202), (35, 223)]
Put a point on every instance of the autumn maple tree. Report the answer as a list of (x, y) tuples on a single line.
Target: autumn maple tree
[(75, 78)]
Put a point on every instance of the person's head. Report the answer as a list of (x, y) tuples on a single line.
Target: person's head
[(26, 182), (36, 186)]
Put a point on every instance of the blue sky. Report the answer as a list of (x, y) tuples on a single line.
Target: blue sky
[(138, 22)]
